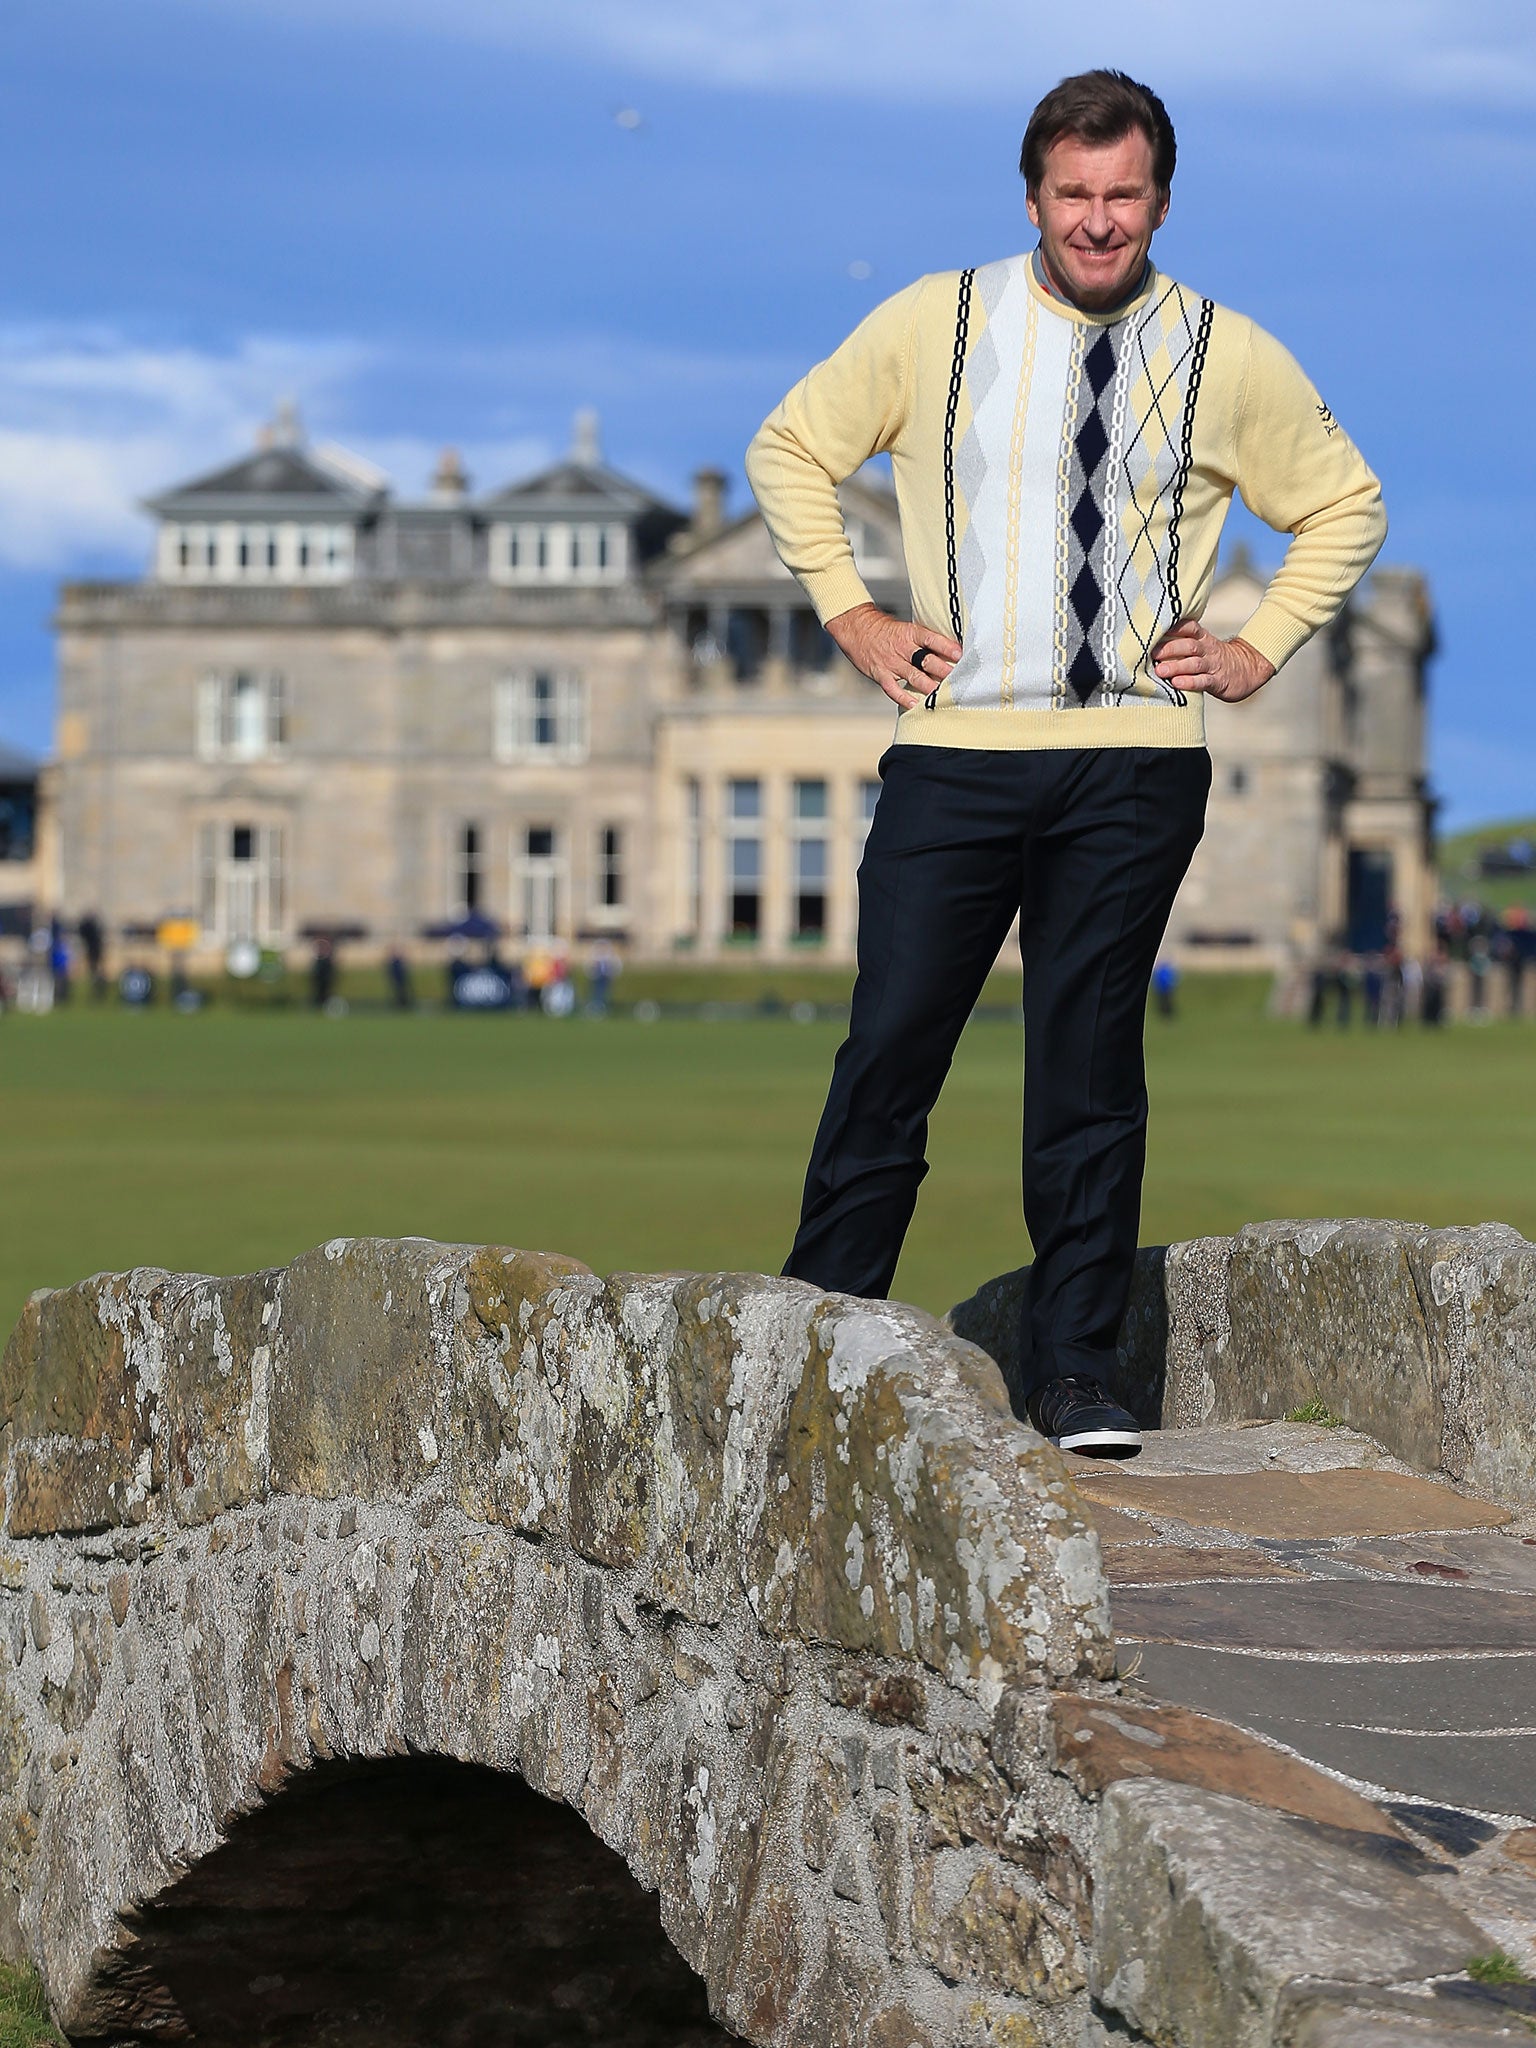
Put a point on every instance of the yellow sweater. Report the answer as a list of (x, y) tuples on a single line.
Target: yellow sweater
[(1063, 479)]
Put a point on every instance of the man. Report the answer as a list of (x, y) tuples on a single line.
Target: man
[(1066, 429)]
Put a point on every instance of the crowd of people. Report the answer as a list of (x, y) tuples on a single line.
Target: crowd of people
[(56, 964), (1489, 951)]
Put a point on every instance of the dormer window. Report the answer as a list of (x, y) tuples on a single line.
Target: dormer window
[(236, 553), (559, 551)]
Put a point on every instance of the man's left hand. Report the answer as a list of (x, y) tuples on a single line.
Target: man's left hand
[(1192, 659)]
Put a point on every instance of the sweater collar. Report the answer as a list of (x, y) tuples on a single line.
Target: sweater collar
[(1065, 307)]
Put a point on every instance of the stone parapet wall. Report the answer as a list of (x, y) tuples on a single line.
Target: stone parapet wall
[(1423, 1339), (765, 1584)]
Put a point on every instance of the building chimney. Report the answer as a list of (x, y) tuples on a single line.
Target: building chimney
[(450, 483), (287, 429), (708, 502), (586, 443)]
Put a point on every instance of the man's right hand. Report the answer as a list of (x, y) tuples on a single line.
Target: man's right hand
[(882, 648)]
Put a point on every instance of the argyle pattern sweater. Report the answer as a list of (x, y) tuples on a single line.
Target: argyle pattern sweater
[(1062, 479)]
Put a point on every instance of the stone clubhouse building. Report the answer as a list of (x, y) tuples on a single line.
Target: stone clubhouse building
[(585, 714)]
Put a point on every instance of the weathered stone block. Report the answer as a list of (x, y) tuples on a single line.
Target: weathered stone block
[(872, 1538), (81, 1381), (508, 1421), (218, 1387), (995, 1934), (1205, 1908), (359, 1366)]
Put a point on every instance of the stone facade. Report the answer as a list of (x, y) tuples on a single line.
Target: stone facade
[(573, 709)]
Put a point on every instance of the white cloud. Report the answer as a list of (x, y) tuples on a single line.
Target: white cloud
[(1478, 52), (92, 421)]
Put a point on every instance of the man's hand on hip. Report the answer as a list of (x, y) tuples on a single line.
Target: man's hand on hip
[(1192, 659), (882, 648)]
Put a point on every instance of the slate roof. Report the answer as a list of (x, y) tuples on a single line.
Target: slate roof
[(16, 766), (579, 490), (281, 480)]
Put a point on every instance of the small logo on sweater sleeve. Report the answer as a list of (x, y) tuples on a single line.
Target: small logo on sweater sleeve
[(1330, 424)]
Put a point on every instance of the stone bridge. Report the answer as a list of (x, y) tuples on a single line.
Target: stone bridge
[(429, 1643)]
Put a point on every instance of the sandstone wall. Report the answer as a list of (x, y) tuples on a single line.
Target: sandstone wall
[(1424, 1339), (765, 1584)]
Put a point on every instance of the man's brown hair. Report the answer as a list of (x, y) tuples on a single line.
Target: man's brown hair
[(1099, 107)]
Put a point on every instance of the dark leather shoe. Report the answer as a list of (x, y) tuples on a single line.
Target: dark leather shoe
[(1076, 1413)]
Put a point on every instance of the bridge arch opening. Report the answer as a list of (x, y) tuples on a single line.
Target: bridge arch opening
[(407, 1901)]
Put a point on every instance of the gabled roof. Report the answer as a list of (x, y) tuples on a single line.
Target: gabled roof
[(280, 477), (578, 490), (741, 553), (581, 486)]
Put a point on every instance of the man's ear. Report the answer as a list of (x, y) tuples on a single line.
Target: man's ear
[(1032, 204), (1162, 211)]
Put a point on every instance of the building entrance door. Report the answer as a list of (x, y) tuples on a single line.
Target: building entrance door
[(1370, 898), (242, 883), (540, 872)]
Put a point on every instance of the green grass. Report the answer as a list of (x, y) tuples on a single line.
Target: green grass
[(24, 2021), (1317, 1412), (230, 1140), (1496, 1968)]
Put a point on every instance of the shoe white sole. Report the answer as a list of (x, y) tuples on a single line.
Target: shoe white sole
[(1101, 1443)]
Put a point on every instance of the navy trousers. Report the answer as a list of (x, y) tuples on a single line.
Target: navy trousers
[(1088, 847)]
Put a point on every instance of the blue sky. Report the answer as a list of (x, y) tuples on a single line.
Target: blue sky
[(423, 219)]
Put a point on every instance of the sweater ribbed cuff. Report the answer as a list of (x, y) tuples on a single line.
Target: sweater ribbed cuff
[(1274, 633), (835, 590)]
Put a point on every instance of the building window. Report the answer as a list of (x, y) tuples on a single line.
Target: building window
[(809, 828), (242, 716), (746, 643), (469, 871), (267, 554), (540, 876), (811, 646), (744, 858), (559, 553), (541, 714), (242, 883), (610, 868), (18, 821)]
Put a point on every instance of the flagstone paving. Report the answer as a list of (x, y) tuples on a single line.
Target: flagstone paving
[(1298, 1583)]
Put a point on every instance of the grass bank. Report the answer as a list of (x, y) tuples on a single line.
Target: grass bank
[(229, 1140)]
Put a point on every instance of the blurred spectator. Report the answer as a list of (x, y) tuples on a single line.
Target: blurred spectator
[(1165, 983), (398, 970), (1477, 971), (58, 960), (94, 941), (1333, 976), (605, 971), (322, 973), (1372, 985), (1432, 995), (1520, 940), (558, 996)]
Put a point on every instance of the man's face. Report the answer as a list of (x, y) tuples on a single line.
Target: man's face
[(1097, 209)]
